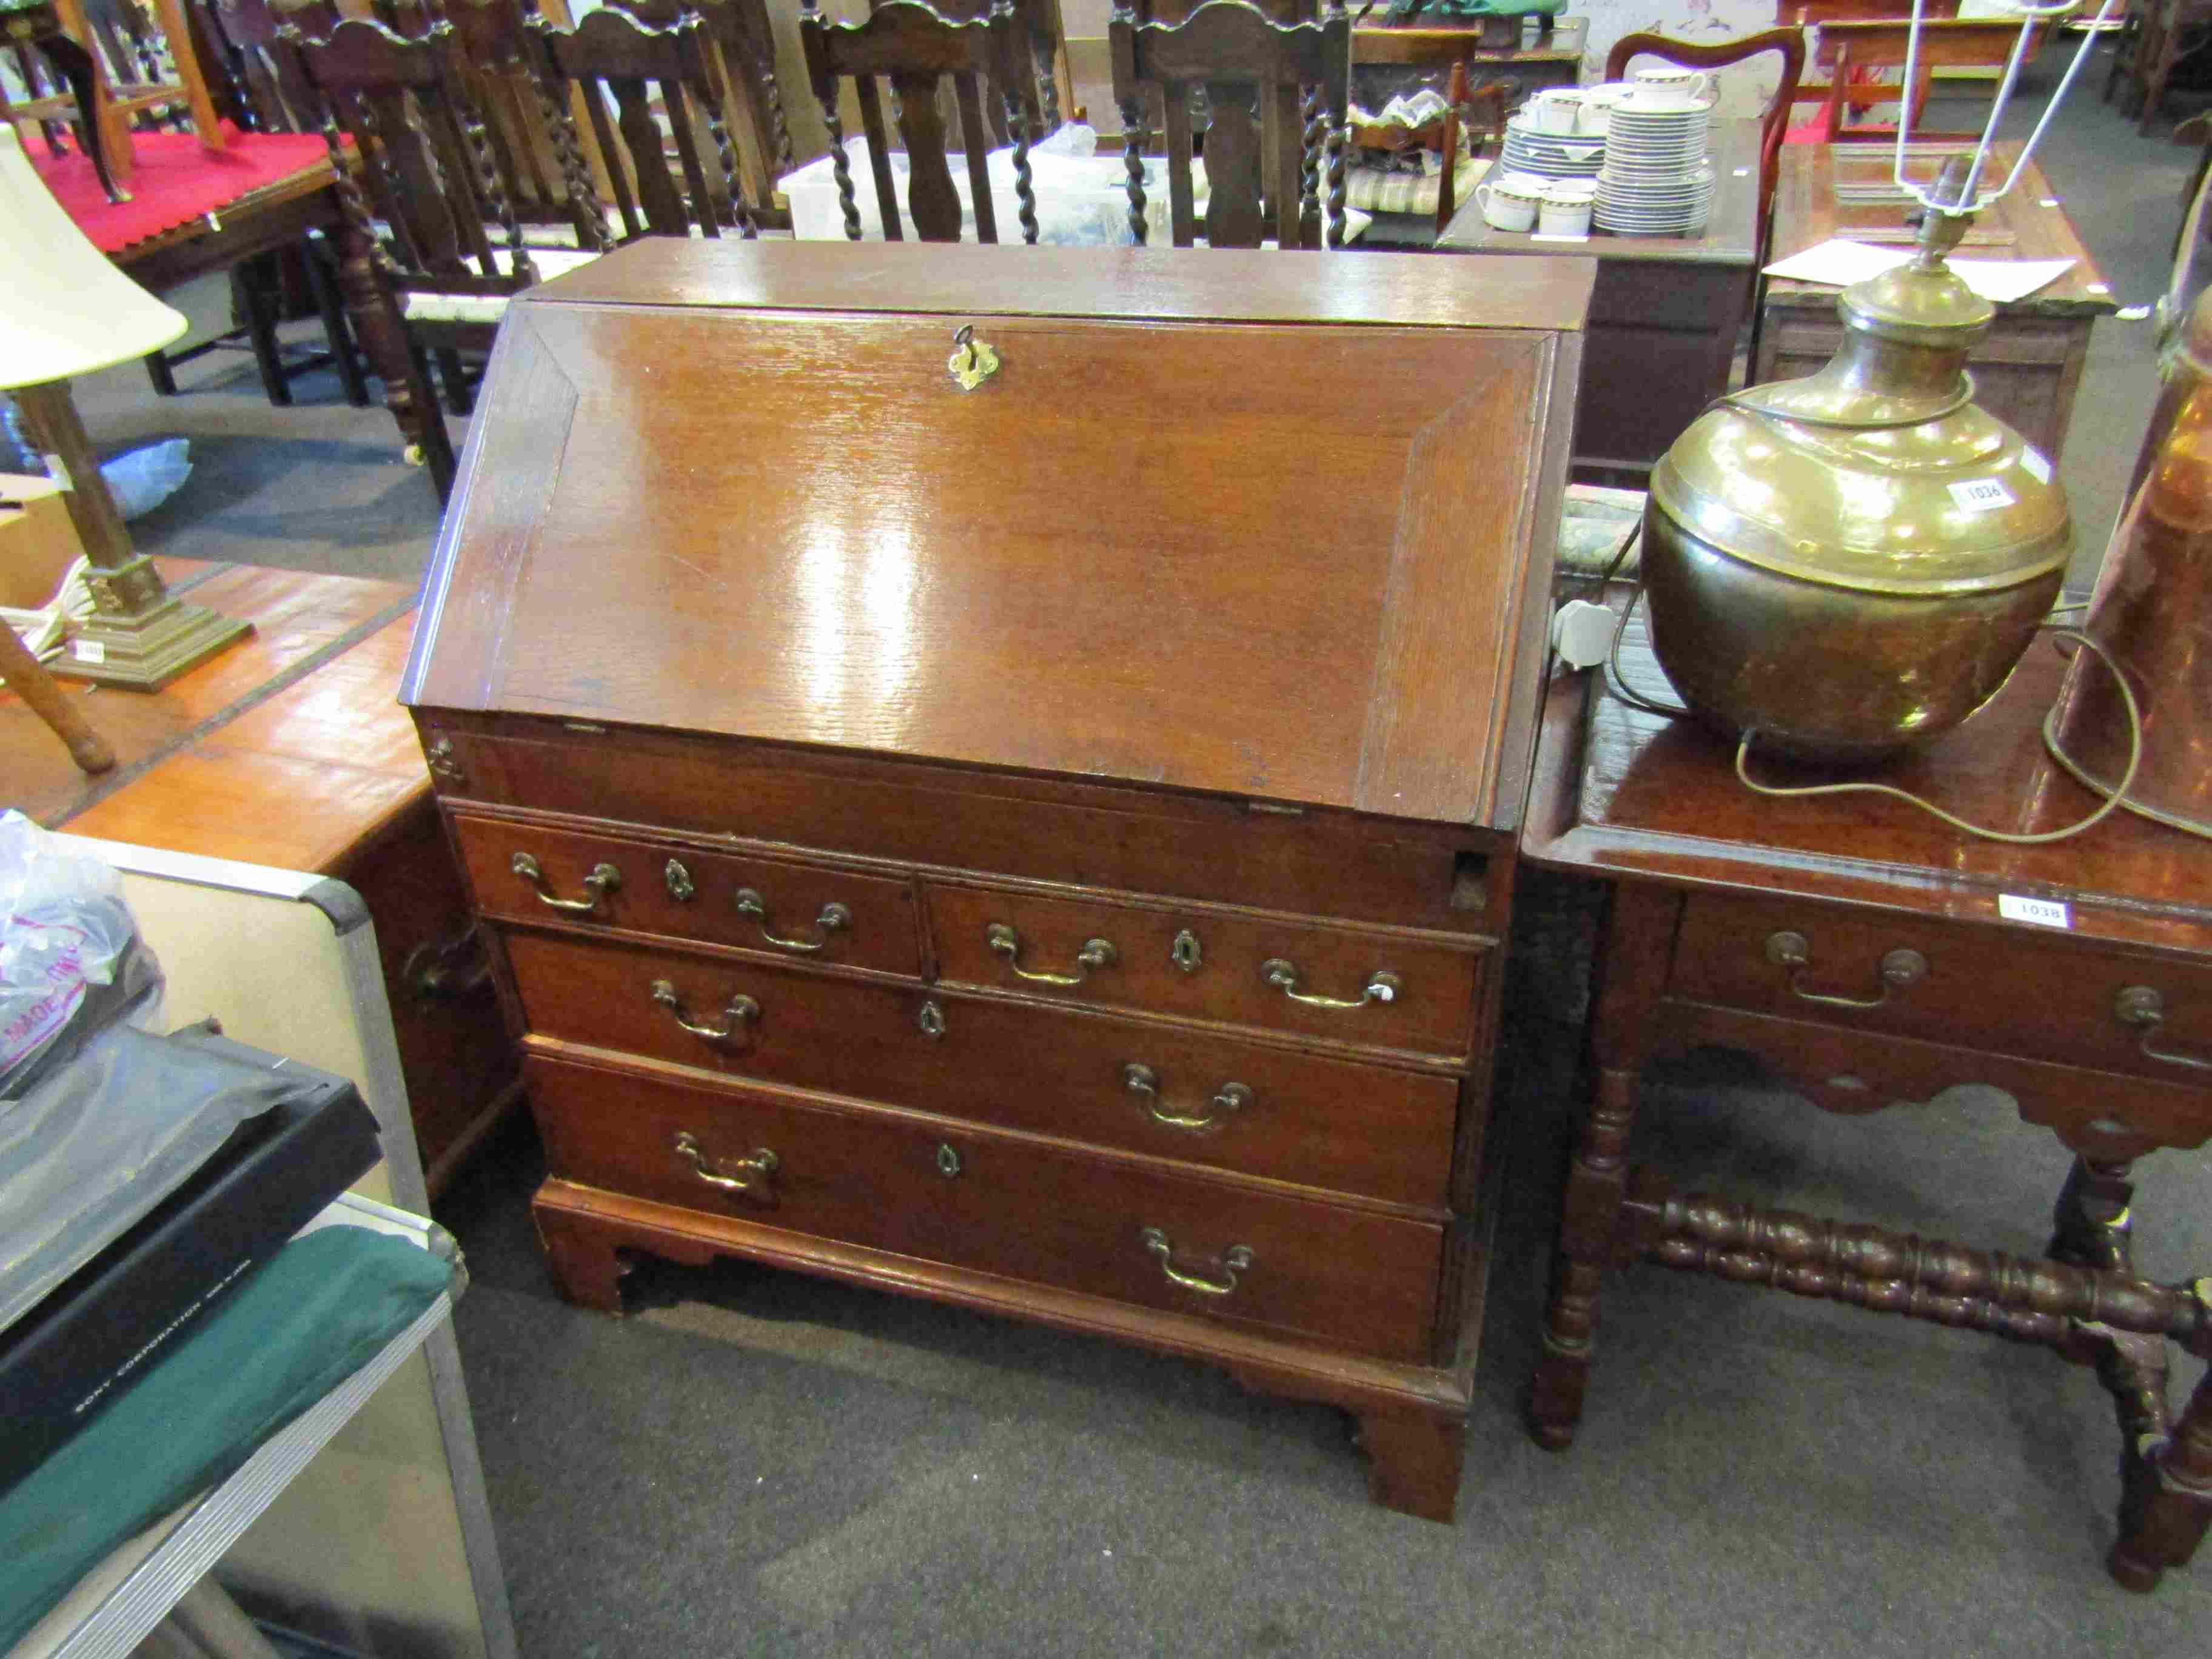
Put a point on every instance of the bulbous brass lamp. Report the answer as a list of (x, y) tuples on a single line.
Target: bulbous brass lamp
[(1847, 563)]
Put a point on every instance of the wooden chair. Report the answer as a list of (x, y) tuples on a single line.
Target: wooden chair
[(425, 163), (1808, 16), (741, 46), (916, 50), (1842, 49), (1235, 52), (2161, 33), (520, 118), (1787, 44), (610, 56)]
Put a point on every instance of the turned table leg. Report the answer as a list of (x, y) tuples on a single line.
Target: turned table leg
[(2091, 1223), (1596, 1182), (2168, 1499), (383, 339), (1630, 973)]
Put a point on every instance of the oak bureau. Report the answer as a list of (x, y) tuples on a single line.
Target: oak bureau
[(992, 773)]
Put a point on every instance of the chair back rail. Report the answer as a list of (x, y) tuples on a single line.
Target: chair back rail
[(1259, 76), (1040, 27), (423, 153), (1848, 46), (915, 49), (610, 56)]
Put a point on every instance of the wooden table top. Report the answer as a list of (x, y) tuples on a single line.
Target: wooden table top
[(2028, 223), (1622, 793), (1730, 237), (289, 749)]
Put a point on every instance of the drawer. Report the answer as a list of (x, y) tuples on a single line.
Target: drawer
[(1199, 1098), (894, 1181), (1305, 862), (820, 913), (1379, 990), (2034, 995)]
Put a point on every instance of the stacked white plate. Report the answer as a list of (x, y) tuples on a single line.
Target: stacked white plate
[(1655, 181), (1550, 154)]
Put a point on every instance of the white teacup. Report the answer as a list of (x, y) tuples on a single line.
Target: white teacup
[(1507, 204), (1595, 117), (1669, 86), (1564, 215), (1557, 109)]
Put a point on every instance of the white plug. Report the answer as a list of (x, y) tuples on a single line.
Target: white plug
[(1582, 633)]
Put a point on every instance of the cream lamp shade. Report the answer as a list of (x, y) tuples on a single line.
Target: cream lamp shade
[(65, 309)]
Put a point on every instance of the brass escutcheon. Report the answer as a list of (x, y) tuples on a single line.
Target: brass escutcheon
[(973, 361), (1187, 953), (930, 1021), (680, 881)]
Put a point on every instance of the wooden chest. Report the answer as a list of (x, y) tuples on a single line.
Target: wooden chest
[(1043, 845)]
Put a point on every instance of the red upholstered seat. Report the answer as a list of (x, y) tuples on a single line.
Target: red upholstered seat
[(177, 180)]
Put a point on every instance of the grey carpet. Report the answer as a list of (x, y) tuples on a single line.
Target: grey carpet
[(760, 1463)]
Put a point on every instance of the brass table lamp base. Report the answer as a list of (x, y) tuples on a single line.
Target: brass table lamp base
[(139, 638)]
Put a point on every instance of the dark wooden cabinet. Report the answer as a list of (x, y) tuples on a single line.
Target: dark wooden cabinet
[(1042, 845)]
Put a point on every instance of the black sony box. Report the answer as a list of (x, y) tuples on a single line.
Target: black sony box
[(91, 1336)]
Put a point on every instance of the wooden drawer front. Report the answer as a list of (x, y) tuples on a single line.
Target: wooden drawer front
[(1332, 1124), (1397, 992), (799, 910), (1318, 863), (891, 1182), (1979, 987)]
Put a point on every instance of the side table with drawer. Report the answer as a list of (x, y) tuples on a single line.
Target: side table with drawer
[(1041, 844), (1866, 955)]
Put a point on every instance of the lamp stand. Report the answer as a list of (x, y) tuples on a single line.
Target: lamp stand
[(137, 637)]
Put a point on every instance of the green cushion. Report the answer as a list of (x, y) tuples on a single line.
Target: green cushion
[(288, 1333)]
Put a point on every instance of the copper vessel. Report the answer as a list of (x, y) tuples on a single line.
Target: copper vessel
[(2152, 611), (1848, 563)]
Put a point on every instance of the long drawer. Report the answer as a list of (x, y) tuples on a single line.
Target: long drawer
[(1254, 1109), (1913, 977), (894, 1182), (529, 871), (1273, 973)]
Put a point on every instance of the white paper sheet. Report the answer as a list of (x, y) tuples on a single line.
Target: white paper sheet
[(1840, 262)]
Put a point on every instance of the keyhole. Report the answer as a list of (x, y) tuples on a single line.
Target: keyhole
[(948, 1161), (1186, 952)]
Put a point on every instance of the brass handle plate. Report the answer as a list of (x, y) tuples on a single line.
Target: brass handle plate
[(1229, 1099), (603, 880), (1382, 986), (1096, 953), (2141, 1005), (737, 1018), (1234, 1260), (835, 919), (753, 1177), (1899, 967)]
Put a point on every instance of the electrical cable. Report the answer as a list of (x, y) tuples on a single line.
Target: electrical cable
[(2112, 802)]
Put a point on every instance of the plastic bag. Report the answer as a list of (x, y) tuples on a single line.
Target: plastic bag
[(142, 479), (71, 962)]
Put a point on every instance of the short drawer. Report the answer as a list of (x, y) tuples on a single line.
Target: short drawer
[(1373, 989), (816, 912), (891, 1182), (1312, 863), (1248, 1108), (2038, 997)]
